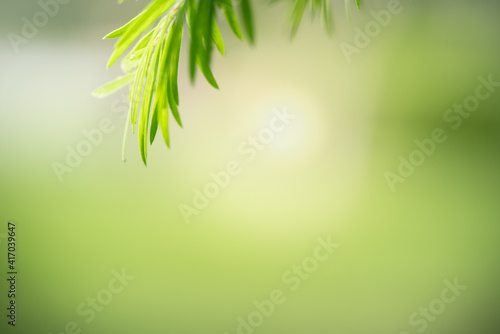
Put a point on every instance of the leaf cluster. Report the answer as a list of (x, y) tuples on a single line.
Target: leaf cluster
[(153, 40)]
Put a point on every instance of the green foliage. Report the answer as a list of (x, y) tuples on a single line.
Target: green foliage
[(152, 64)]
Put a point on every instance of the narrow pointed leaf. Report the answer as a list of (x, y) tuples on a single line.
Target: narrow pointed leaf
[(202, 61), (228, 10), (149, 88), (326, 16), (113, 86), (131, 61), (136, 92), (163, 115), (151, 14), (217, 38), (297, 13), (154, 124), (173, 60), (123, 30), (246, 12)]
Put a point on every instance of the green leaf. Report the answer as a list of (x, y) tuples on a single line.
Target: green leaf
[(246, 12), (200, 31), (219, 43), (174, 70), (154, 124), (163, 115), (164, 71), (170, 59), (149, 88), (136, 92), (143, 43), (174, 109), (113, 86), (131, 61), (123, 30), (173, 63), (313, 6), (206, 27), (172, 85), (195, 37), (326, 16), (141, 76), (162, 89), (227, 8), (297, 13), (202, 62), (357, 4), (149, 15), (161, 98)]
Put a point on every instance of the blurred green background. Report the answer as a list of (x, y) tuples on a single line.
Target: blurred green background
[(323, 175)]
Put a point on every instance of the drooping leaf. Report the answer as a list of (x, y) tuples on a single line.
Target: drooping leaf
[(154, 123), (227, 8), (297, 13), (217, 38), (200, 28), (174, 62), (195, 37), (123, 30), (113, 86), (326, 16), (143, 21), (136, 91), (246, 13), (151, 79), (163, 116), (130, 62)]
